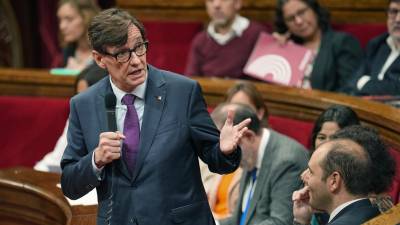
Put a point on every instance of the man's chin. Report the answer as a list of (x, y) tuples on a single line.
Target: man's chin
[(220, 22)]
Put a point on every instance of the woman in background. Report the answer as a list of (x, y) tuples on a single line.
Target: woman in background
[(337, 55), (331, 120), (74, 17)]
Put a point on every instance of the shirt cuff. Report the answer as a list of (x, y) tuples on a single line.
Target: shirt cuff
[(96, 170), (362, 81)]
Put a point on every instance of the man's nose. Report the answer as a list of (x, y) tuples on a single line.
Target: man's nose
[(135, 59), (304, 176)]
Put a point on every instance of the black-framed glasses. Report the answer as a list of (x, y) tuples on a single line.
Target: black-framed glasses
[(300, 13), (392, 12), (125, 55)]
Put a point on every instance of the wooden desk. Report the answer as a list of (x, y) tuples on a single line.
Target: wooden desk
[(32, 197), (294, 103), (390, 217), (35, 82)]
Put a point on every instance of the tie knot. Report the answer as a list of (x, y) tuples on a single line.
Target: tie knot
[(128, 99)]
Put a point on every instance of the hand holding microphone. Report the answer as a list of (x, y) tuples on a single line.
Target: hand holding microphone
[(109, 148)]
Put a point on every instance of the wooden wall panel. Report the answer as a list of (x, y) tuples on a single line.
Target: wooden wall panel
[(342, 11)]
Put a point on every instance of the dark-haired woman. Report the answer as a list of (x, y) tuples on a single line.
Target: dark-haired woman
[(337, 55)]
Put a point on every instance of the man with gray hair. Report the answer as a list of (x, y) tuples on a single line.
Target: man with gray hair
[(144, 168), (379, 73)]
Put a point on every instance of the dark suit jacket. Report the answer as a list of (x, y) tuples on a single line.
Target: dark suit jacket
[(376, 54), (356, 213), (283, 161), (338, 58), (165, 187)]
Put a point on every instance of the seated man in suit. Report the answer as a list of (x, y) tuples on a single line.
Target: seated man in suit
[(223, 49), (272, 164), (380, 72), (340, 175)]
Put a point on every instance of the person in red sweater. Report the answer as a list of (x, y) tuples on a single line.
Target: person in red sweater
[(223, 49)]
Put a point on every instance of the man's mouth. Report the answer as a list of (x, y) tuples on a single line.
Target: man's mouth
[(135, 72)]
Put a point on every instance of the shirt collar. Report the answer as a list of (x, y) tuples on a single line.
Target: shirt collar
[(263, 144), (239, 25), (341, 207), (392, 46), (139, 91)]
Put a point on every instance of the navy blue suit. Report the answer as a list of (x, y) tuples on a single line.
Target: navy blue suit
[(377, 52), (165, 187), (356, 213)]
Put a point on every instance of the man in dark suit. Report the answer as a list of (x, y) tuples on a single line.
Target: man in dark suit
[(149, 174), (272, 164), (380, 72), (341, 174)]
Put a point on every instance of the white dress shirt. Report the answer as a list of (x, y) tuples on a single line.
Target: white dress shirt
[(249, 189), (394, 53), (239, 25), (120, 111), (341, 207)]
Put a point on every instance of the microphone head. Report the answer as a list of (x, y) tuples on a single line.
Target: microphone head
[(110, 101)]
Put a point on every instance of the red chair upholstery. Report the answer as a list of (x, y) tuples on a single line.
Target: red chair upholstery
[(170, 43), (395, 189), (30, 128), (363, 32), (296, 129)]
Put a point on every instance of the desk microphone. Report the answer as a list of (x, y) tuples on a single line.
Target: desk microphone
[(110, 101)]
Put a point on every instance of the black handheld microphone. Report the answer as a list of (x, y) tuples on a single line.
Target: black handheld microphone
[(110, 101)]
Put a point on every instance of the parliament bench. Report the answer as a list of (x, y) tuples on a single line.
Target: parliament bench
[(34, 111)]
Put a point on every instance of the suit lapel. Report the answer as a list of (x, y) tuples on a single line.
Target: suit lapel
[(383, 54), (102, 119), (352, 207), (261, 177), (243, 181), (154, 104)]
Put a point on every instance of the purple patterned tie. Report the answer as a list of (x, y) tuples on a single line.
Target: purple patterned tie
[(130, 145)]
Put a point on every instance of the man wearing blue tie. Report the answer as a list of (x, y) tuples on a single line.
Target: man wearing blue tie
[(147, 172), (273, 163)]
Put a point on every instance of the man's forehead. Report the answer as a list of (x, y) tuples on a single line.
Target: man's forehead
[(394, 5), (134, 36)]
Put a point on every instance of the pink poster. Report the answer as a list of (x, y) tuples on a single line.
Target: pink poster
[(282, 64)]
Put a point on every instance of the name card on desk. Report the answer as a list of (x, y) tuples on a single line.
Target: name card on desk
[(275, 63)]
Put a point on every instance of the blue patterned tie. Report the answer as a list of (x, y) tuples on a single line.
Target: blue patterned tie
[(130, 145), (253, 176)]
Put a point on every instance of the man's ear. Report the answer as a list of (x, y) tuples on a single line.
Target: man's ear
[(334, 182), (249, 134), (99, 58), (260, 113)]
